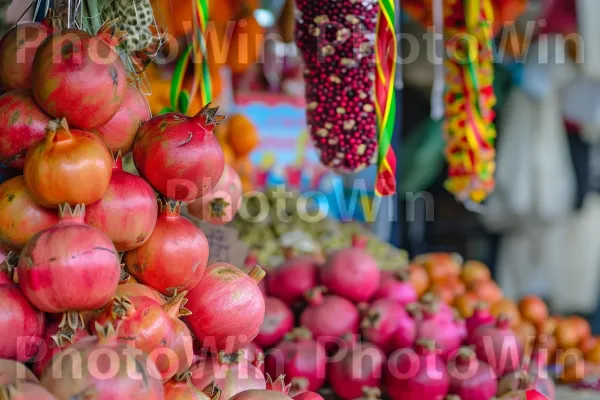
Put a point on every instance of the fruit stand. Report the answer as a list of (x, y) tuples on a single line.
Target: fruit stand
[(152, 248)]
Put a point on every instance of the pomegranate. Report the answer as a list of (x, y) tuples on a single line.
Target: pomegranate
[(227, 307), (443, 310), (388, 325), (470, 378), (24, 125), (70, 266), (181, 388), (179, 155), (174, 257), (481, 316), (351, 273), (20, 216), (291, 280), (417, 375), (80, 77), (128, 202), (446, 334), (220, 205), (257, 394), (134, 289), (397, 287), (278, 321), (12, 371), (514, 381), (498, 346), (118, 133), (278, 384), (256, 356), (149, 326), (299, 356), (229, 372), (57, 337), (357, 367), (329, 317), (308, 396), (17, 51), (21, 325), (102, 368), (24, 391), (68, 166)]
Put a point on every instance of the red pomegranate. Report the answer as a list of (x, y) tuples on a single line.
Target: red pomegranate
[(22, 325), (397, 287), (351, 273), (299, 356), (181, 388), (24, 125), (20, 216), (17, 51), (118, 133), (291, 280), (179, 155), (68, 166), (227, 307), (80, 77), (220, 205), (149, 326), (69, 267), (128, 202), (134, 289), (12, 371), (102, 368), (278, 321), (174, 257), (388, 325), (498, 346)]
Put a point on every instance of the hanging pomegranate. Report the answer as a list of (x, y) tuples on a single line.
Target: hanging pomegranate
[(174, 258), (17, 51), (181, 388), (299, 356), (220, 205), (292, 279), (118, 133), (68, 166), (149, 326), (227, 307), (23, 126), (80, 77), (22, 326), (229, 372), (388, 325), (351, 273), (102, 368), (69, 267), (129, 202), (20, 216), (179, 155), (278, 321)]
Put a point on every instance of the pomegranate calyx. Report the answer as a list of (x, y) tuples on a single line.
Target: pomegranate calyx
[(425, 346), (110, 33), (504, 321), (231, 358), (415, 310), (125, 275), (259, 359), (175, 306), (257, 273), (118, 159), (371, 393), (465, 356), (106, 333), (218, 206), (72, 320), (11, 262), (208, 117), (67, 214), (170, 208), (278, 385), (58, 131), (121, 307), (212, 391), (452, 397), (314, 296), (10, 392), (299, 384), (371, 319), (402, 274), (183, 376), (298, 335)]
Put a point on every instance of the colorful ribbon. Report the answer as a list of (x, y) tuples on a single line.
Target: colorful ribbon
[(386, 54)]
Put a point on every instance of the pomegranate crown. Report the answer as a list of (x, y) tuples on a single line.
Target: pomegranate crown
[(278, 385), (110, 34), (299, 334), (175, 307), (371, 393), (68, 213), (208, 116), (168, 206), (117, 158)]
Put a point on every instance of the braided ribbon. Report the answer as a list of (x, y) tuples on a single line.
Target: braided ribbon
[(196, 53), (386, 54), (469, 128)]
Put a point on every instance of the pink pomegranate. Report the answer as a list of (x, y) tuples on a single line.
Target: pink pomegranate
[(278, 321), (118, 133), (498, 346), (291, 280), (179, 155), (181, 388), (351, 273), (470, 378), (23, 125), (446, 334), (70, 266), (22, 325), (388, 325), (134, 289), (174, 258), (17, 50), (227, 307), (308, 396), (354, 368), (220, 205), (102, 368), (256, 356), (80, 77), (397, 287), (299, 356), (230, 373), (128, 202)]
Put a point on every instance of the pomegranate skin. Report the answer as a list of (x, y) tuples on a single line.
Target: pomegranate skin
[(227, 308), (128, 202), (70, 266), (179, 155), (388, 325), (292, 279), (257, 394), (278, 321), (18, 320), (308, 396), (23, 125), (17, 51), (79, 77), (174, 258), (118, 133)]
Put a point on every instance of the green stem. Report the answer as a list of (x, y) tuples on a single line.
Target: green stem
[(94, 14)]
